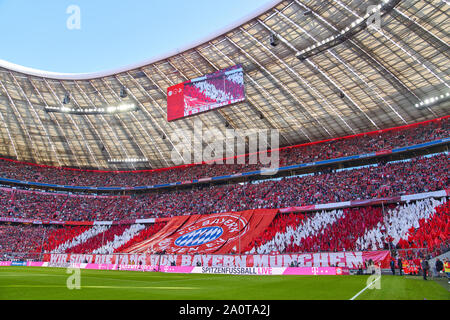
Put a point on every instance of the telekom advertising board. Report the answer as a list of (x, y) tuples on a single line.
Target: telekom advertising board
[(212, 91), (257, 271), (348, 259)]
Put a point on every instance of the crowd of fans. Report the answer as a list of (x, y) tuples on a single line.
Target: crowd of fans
[(215, 90), (281, 225), (58, 236), (78, 241), (422, 174), (32, 241), (23, 240), (337, 230), (99, 240), (419, 226), (398, 222), (334, 148), (431, 232), (143, 235), (422, 224), (119, 239)]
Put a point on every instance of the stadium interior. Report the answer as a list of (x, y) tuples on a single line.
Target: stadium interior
[(87, 165)]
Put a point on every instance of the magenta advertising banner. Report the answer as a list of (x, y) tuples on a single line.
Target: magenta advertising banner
[(257, 271), (349, 259)]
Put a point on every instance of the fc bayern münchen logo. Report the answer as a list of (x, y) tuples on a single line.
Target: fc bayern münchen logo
[(208, 234), (199, 237)]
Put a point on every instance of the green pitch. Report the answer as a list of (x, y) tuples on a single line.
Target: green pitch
[(51, 283)]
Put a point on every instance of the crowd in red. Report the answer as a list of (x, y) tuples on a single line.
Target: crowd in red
[(143, 235), (278, 225), (191, 92), (23, 239), (58, 236), (213, 90), (98, 240), (423, 174), (433, 234), (288, 233), (333, 236), (31, 241), (340, 234), (334, 148)]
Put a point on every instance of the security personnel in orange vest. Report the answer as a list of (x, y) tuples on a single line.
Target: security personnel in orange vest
[(447, 268)]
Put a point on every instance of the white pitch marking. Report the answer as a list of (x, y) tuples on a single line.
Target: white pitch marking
[(98, 287), (355, 296)]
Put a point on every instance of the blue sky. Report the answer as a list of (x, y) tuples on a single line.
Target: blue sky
[(112, 33)]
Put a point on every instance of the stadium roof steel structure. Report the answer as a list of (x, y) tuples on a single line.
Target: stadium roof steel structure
[(331, 74)]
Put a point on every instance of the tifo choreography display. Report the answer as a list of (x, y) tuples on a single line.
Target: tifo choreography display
[(215, 233), (268, 239), (339, 218)]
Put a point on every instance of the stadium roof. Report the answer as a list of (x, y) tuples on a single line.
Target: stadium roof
[(330, 75)]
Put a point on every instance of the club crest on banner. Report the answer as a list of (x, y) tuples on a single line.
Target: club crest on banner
[(199, 237), (207, 234), (218, 233)]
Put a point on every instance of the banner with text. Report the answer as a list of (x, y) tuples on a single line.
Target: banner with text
[(351, 260)]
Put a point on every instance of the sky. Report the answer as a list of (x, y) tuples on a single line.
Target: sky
[(50, 35)]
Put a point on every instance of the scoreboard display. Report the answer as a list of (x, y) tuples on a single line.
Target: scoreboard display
[(212, 91)]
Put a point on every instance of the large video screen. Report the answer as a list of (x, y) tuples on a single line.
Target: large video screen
[(206, 93)]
